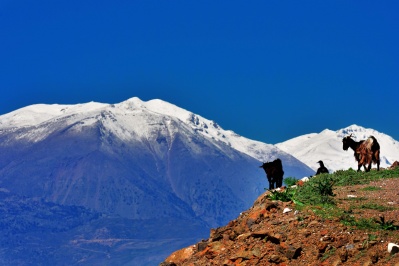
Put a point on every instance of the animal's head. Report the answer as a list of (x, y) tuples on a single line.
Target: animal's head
[(346, 142), (265, 165), (268, 167)]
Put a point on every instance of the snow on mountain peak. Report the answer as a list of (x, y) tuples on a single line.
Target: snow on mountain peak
[(327, 146), (358, 132), (136, 118), (38, 113), (121, 119), (210, 129), (130, 104)]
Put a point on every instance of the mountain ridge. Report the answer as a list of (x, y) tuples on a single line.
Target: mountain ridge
[(208, 128), (129, 160), (137, 161), (327, 146)]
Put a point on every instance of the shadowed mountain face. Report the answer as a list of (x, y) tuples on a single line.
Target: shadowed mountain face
[(133, 162), (165, 175)]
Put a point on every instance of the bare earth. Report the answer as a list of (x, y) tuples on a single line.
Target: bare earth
[(387, 195)]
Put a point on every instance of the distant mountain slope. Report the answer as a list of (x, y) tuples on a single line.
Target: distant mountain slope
[(36, 232), (130, 157), (136, 160), (327, 146)]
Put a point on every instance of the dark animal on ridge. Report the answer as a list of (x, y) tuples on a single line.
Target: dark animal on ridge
[(366, 151), (322, 169), (274, 173)]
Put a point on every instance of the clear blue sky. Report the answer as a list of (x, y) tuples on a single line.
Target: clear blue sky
[(268, 70)]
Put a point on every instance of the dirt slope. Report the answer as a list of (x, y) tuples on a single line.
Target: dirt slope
[(275, 233)]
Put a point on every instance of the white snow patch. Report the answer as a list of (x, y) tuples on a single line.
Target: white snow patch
[(327, 146)]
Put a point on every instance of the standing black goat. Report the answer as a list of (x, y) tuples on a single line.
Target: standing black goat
[(274, 173)]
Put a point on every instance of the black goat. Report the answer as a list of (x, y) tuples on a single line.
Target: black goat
[(274, 173)]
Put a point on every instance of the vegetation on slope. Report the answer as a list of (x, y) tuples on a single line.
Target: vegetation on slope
[(318, 192)]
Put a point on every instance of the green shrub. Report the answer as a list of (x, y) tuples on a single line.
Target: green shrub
[(317, 191), (290, 181), (386, 225), (284, 195)]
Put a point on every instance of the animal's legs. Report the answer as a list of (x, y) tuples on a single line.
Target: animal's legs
[(376, 156), (279, 182), (271, 183)]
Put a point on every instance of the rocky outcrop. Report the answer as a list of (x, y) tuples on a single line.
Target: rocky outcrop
[(267, 235)]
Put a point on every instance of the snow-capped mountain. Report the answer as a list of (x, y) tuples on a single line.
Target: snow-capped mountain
[(127, 128), (143, 161), (327, 146)]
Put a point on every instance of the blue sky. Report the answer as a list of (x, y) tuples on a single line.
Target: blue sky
[(268, 70)]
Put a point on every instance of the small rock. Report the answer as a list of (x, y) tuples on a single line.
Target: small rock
[(180, 255), (287, 210), (306, 233), (256, 252), (244, 236), (326, 238), (313, 223), (276, 222), (324, 232), (343, 254), (393, 248), (216, 234), (372, 243), (293, 252), (274, 238), (341, 241), (201, 246), (322, 247), (352, 196), (271, 205), (275, 258), (167, 264), (373, 257), (245, 254), (250, 223)]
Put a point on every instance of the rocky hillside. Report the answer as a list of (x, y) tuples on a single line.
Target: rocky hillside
[(360, 228)]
